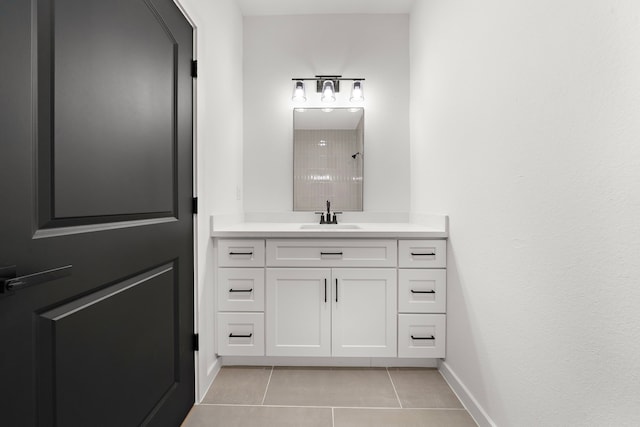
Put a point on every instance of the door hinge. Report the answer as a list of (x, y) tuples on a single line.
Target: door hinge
[(194, 205), (196, 342), (194, 68)]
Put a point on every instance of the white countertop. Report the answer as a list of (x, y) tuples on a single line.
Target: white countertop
[(435, 230)]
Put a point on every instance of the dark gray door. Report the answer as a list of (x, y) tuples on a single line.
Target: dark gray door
[(95, 213)]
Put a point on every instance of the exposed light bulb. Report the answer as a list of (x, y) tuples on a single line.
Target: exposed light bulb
[(356, 92), (299, 94), (328, 92)]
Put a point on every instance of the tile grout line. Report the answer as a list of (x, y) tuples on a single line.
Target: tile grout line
[(394, 387), (267, 387), (329, 407)]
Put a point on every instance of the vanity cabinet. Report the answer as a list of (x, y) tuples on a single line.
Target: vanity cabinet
[(331, 312), (332, 297)]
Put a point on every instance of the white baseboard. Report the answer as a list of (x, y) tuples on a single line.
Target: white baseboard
[(470, 403), (377, 362), (211, 375)]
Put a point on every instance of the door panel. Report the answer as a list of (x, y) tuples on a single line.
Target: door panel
[(95, 350), (108, 122), (96, 143), (118, 120)]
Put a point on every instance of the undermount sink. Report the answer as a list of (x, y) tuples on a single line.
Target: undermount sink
[(329, 227)]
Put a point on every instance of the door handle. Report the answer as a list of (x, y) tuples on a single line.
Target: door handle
[(430, 337), (10, 283), (232, 335), (330, 253)]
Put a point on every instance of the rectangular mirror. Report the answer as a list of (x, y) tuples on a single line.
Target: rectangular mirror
[(328, 145)]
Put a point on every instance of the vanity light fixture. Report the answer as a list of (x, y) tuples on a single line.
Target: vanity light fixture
[(327, 86)]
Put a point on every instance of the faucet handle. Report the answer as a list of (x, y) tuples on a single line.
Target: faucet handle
[(322, 217), (335, 217)]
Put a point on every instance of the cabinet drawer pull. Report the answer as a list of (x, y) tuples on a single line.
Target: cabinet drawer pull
[(423, 292), (417, 254), (241, 253), (430, 337), (330, 253), (325, 290), (336, 290), (241, 290), (231, 335)]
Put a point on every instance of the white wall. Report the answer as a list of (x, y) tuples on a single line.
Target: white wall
[(219, 147), (278, 48), (525, 129)]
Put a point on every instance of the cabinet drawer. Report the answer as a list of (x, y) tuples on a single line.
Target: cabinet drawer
[(241, 289), (331, 253), (241, 334), (422, 253), (421, 335), (422, 291), (240, 253)]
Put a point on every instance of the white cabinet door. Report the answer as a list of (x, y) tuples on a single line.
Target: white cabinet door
[(364, 312), (422, 335), (240, 253), (241, 289), (422, 253), (241, 334), (298, 312), (422, 290)]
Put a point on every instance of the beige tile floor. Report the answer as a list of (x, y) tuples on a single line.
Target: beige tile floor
[(329, 397)]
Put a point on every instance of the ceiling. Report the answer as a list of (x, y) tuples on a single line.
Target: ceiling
[(310, 7)]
